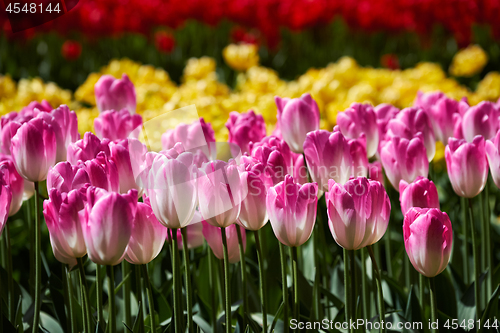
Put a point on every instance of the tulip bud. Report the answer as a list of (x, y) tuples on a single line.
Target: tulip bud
[(107, 222), (421, 193), (444, 116), (102, 172), (213, 235), (428, 239), (357, 149), (493, 154), (300, 169), (360, 119), (87, 148), (245, 128), (5, 200), (61, 217), (147, 238), (194, 232), (197, 135), (328, 156), (117, 125), (408, 123), (33, 149), (115, 94), (404, 159), (122, 156), (384, 113), (16, 183), (296, 118), (276, 157), (482, 119), (66, 177), (467, 166), (375, 172), (292, 211), (358, 212)]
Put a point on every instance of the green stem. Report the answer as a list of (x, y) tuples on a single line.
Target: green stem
[(1, 305), (487, 227), (388, 253), (354, 294), (111, 299), (378, 279), (476, 262), (284, 286), (243, 277), (212, 284), (126, 293), (421, 292), (295, 270), (175, 275), (150, 298), (38, 263), (433, 303), (85, 292), (465, 245), (347, 289), (99, 283), (189, 291), (406, 264), (263, 295), (226, 282), (482, 234), (364, 286), (138, 293), (64, 280), (10, 272), (71, 304)]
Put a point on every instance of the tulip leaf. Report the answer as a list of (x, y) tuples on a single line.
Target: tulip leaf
[(7, 327), (413, 313), (278, 313), (57, 296), (447, 301), (138, 324), (491, 310), (202, 324), (467, 304), (49, 324)]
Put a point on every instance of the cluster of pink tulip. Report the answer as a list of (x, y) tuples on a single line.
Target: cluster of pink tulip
[(111, 199)]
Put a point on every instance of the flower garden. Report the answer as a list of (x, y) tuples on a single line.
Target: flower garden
[(319, 166)]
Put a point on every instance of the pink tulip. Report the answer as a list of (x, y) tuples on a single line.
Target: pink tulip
[(421, 193), (66, 177), (44, 106), (292, 211), (147, 238), (358, 212), (275, 155), (467, 166), (296, 118), (197, 135), (428, 100), (408, 123), (213, 236), (428, 239), (253, 214), (482, 119), (5, 200), (220, 191), (16, 183), (107, 223), (172, 189), (102, 172), (404, 159), (87, 148), (65, 126), (299, 169), (375, 172), (245, 128), (34, 149), (328, 156), (384, 113), (66, 234), (194, 231), (117, 125), (493, 155), (360, 119), (115, 94), (123, 154), (357, 149)]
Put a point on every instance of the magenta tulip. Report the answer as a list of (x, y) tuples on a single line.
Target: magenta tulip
[(493, 154), (197, 135), (172, 189), (63, 222), (87, 148), (66, 177), (404, 159), (360, 119), (421, 193), (123, 153), (375, 172), (276, 157), (115, 94), (102, 172), (299, 169), (220, 191), (384, 113), (482, 119), (467, 166), (428, 239), (33, 149), (213, 236), (357, 149), (292, 211), (5, 200), (296, 118), (428, 100), (65, 126), (194, 232), (328, 156), (107, 223), (147, 238), (358, 212), (245, 128), (14, 181), (408, 123), (117, 125)]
